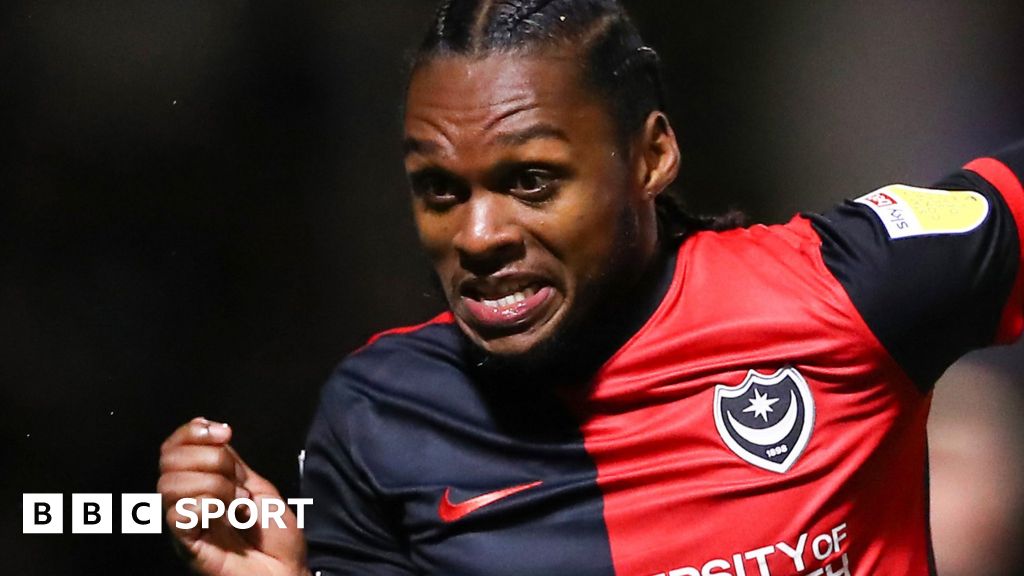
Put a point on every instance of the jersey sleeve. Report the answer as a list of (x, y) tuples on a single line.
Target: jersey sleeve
[(350, 529), (935, 272)]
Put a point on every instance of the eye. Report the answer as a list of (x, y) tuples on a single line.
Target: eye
[(532, 183), (435, 189)]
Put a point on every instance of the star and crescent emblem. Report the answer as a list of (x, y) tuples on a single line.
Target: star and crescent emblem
[(767, 419), (761, 405)]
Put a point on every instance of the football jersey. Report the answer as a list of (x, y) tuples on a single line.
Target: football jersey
[(766, 416)]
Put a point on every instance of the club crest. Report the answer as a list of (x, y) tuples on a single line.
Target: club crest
[(766, 420)]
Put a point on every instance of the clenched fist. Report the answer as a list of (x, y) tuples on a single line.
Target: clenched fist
[(196, 461)]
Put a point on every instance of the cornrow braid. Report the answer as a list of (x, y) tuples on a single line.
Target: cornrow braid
[(441, 18), (597, 30), (485, 16), (646, 60), (675, 223), (617, 65), (642, 56), (525, 10)]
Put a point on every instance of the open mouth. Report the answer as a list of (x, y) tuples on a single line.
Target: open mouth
[(506, 304)]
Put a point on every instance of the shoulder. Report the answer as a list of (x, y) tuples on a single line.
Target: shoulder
[(398, 361), (404, 395), (761, 278), (758, 251), (393, 384), (795, 235)]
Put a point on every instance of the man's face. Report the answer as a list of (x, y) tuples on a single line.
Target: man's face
[(523, 197)]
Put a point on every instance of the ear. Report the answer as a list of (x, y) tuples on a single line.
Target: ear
[(657, 155)]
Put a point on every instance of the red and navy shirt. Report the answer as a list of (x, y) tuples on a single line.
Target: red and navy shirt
[(767, 416)]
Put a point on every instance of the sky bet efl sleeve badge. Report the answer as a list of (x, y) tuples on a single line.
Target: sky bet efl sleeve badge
[(907, 211), (766, 420)]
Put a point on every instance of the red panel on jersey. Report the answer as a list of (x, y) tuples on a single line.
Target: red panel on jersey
[(999, 175), (680, 499)]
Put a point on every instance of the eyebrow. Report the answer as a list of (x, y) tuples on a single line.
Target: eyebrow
[(414, 146), (537, 131), (516, 138)]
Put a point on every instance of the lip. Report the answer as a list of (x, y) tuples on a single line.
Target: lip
[(512, 316), (515, 314)]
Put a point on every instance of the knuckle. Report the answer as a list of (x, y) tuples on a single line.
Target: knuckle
[(167, 484), (172, 517), (225, 488), (175, 486), (197, 459), (216, 486), (224, 462), (166, 460)]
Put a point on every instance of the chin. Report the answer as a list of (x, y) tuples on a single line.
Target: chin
[(509, 347), (529, 358)]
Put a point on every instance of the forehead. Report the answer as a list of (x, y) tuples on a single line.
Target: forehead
[(452, 98)]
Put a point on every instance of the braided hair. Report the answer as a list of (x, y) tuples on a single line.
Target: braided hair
[(618, 65)]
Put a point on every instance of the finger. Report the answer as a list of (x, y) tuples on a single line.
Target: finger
[(266, 530), (242, 470), (219, 547), (172, 506), (186, 521), (284, 544), (198, 458), (178, 485), (252, 481), (173, 516), (198, 431)]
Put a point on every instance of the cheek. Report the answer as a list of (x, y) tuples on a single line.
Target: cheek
[(583, 234), (434, 234)]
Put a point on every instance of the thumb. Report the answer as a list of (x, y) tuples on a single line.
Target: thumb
[(276, 534), (247, 478)]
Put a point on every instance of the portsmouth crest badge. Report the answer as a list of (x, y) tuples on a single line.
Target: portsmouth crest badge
[(766, 420)]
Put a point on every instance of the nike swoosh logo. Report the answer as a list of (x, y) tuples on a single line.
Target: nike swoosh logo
[(451, 512)]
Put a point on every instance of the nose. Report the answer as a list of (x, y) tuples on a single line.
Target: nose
[(489, 236)]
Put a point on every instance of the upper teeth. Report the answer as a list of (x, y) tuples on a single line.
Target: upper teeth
[(510, 299)]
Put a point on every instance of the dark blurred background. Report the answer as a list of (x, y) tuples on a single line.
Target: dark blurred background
[(202, 209)]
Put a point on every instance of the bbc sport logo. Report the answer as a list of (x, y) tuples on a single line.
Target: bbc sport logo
[(141, 513)]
